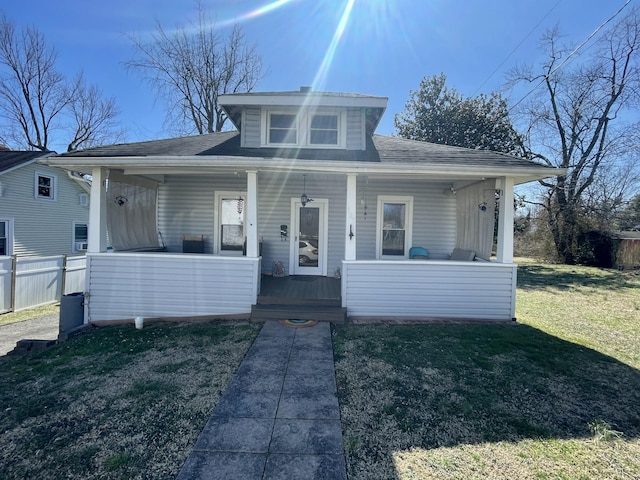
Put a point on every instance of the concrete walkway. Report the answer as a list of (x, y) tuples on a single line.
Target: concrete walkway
[(279, 417), (41, 328)]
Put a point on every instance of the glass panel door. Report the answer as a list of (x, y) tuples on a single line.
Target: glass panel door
[(309, 239)]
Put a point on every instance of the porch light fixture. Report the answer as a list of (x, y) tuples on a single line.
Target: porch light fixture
[(304, 199)]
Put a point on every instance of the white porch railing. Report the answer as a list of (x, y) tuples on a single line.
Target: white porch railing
[(122, 286), (429, 289)]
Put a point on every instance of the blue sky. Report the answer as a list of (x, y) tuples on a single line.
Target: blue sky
[(385, 49)]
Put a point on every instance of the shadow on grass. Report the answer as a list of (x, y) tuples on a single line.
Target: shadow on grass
[(565, 277), (437, 386)]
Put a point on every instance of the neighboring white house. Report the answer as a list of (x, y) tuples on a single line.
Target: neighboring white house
[(43, 210), (305, 172)]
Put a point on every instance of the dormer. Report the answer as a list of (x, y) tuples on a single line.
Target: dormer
[(304, 119)]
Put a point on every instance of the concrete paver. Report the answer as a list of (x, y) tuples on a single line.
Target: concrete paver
[(279, 418)]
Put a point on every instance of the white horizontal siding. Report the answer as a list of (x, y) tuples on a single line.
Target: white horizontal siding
[(355, 129), (275, 192), (434, 215), (250, 133), (186, 206), (41, 227), (444, 289), (123, 286)]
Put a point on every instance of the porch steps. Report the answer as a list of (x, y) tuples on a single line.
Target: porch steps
[(319, 312)]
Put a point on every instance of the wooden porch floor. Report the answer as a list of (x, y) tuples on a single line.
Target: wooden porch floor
[(300, 288)]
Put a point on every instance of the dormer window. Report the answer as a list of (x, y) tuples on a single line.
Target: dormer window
[(320, 128), (323, 129), (283, 128)]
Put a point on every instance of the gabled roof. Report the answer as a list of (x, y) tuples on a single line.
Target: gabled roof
[(12, 159), (382, 154)]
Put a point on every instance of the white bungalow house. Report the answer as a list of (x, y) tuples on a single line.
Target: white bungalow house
[(43, 210), (306, 190)]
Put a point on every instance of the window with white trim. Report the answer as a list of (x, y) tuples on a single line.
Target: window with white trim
[(394, 227), (283, 128), (80, 236), (6, 237), (323, 129), (45, 186), (230, 222), (319, 128)]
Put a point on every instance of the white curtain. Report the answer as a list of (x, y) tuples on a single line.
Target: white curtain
[(131, 212), (475, 206)]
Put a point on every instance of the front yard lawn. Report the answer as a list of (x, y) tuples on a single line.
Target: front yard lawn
[(554, 396), (116, 402)]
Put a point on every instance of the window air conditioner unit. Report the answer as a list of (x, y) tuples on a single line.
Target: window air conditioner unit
[(81, 246)]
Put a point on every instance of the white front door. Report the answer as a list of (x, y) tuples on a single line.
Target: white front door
[(309, 237)]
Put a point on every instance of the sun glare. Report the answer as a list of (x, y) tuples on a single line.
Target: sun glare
[(268, 8), (320, 79), (367, 19)]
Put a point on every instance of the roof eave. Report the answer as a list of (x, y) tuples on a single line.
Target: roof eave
[(186, 164), (288, 100)]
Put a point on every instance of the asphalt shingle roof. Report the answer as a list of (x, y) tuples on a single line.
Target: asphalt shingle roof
[(10, 159), (380, 148)]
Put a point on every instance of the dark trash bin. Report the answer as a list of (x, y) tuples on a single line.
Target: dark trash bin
[(71, 312)]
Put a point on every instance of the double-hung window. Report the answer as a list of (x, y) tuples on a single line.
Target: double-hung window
[(45, 186), (231, 215), (323, 129), (394, 226), (6, 237), (317, 128), (283, 128)]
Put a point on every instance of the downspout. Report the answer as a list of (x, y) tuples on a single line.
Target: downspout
[(83, 182)]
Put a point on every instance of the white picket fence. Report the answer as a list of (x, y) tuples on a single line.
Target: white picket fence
[(27, 282)]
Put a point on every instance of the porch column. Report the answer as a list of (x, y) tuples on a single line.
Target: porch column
[(98, 211), (350, 227), (252, 214), (504, 252)]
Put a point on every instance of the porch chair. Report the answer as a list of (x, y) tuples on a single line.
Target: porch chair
[(418, 253)]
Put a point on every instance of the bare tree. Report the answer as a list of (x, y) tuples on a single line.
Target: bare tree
[(191, 67), (37, 102), (608, 195), (93, 117), (582, 119), (32, 92)]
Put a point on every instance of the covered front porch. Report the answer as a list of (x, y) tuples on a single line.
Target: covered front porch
[(357, 269)]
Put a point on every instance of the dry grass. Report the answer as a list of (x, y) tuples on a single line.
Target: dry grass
[(117, 402), (12, 317), (554, 397)]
